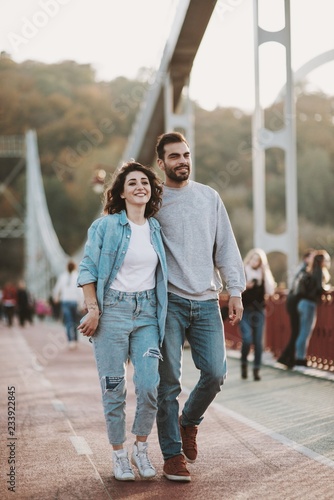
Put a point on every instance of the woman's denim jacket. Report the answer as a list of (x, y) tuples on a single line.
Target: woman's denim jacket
[(105, 249)]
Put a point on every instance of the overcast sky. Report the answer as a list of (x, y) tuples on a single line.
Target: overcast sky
[(119, 37)]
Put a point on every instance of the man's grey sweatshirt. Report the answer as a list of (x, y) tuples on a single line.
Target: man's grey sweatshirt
[(200, 245)]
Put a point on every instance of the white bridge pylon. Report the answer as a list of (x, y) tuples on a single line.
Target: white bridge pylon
[(45, 259)]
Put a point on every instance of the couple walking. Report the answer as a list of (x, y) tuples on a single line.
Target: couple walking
[(151, 273)]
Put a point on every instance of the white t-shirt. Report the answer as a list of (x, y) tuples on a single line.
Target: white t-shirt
[(137, 272)]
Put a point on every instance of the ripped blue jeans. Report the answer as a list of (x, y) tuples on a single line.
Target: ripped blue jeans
[(128, 330)]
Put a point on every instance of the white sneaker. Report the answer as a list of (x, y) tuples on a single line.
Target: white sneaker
[(140, 459), (122, 467)]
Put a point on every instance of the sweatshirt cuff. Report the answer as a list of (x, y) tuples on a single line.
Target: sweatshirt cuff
[(234, 292)]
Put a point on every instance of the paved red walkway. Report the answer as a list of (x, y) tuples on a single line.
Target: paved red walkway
[(60, 448)]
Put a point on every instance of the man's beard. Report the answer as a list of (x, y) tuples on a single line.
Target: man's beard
[(175, 176)]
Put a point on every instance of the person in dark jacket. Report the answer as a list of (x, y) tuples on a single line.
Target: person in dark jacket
[(287, 357), (311, 286), (24, 305), (9, 302)]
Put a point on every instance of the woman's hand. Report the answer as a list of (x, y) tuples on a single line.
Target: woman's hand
[(89, 324)]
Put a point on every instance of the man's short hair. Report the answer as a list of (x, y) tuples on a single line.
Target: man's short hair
[(168, 138)]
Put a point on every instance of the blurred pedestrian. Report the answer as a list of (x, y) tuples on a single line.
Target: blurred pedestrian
[(287, 357), (55, 309), (24, 304), (314, 282), (259, 283), (124, 278), (70, 297), (1, 306), (9, 302)]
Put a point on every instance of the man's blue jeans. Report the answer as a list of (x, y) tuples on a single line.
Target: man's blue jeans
[(128, 329), (70, 318), (201, 323), (307, 310), (251, 327)]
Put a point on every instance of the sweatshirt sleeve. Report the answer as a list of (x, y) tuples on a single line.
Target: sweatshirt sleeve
[(227, 255)]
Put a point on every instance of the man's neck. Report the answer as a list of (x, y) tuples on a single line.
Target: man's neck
[(174, 184)]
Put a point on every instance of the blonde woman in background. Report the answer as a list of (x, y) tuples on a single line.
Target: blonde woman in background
[(259, 282)]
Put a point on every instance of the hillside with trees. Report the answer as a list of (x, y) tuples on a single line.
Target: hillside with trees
[(83, 126)]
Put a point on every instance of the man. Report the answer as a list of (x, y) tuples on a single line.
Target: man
[(71, 301), (201, 252)]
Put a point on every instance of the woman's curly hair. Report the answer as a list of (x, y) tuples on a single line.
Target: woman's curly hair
[(113, 203)]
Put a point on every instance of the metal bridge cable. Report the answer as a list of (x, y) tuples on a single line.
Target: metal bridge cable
[(39, 228)]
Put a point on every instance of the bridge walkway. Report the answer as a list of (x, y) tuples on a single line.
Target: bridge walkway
[(270, 439)]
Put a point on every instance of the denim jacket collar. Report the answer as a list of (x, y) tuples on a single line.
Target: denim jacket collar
[(123, 218)]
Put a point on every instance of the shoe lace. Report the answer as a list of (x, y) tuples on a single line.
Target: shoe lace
[(124, 464), (189, 436), (177, 464), (144, 460)]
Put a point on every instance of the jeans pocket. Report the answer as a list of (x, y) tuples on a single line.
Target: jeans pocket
[(111, 299), (153, 301), (110, 302)]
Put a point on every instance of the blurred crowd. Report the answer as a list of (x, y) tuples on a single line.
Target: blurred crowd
[(17, 304), (311, 280), (66, 304)]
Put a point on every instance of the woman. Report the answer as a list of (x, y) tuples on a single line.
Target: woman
[(124, 278), (311, 285), (259, 281)]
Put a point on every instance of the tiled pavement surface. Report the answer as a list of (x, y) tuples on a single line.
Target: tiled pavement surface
[(259, 440)]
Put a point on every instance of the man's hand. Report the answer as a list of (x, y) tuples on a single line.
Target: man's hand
[(235, 310)]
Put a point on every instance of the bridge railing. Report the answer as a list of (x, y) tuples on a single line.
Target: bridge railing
[(12, 146), (320, 353)]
